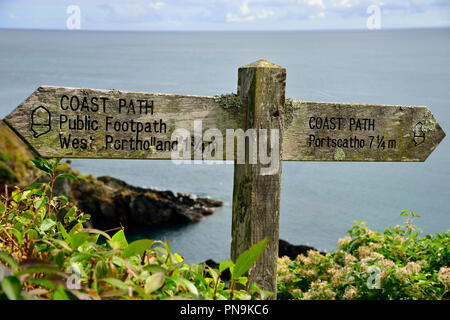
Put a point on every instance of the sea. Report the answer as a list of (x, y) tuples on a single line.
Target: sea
[(319, 200)]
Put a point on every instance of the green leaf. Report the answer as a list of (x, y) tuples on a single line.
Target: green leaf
[(63, 244), (263, 294), (63, 199), (5, 257), (40, 201), (42, 165), (2, 208), (47, 224), (32, 234), (63, 230), (58, 257), (76, 229), (19, 195), (242, 280), (35, 185), (22, 220), (116, 283), (118, 240), (42, 282), (70, 215), (153, 268), (78, 239), (41, 268), (101, 269), (189, 285), (137, 247), (177, 257), (99, 232), (12, 288), (154, 282), (60, 294), (247, 258), (66, 175), (17, 234), (118, 261), (225, 265), (213, 274)]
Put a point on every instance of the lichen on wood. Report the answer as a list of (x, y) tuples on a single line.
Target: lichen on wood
[(339, 155), (228, 101), (392, 135), (290, 106)]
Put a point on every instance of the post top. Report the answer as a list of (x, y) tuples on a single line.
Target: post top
[(262, 63)]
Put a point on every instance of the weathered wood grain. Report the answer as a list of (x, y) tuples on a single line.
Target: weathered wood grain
[(175, 111), (256, 197), (390, 133)]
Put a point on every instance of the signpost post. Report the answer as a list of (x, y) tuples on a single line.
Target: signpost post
[(256, 193), (87, 123)]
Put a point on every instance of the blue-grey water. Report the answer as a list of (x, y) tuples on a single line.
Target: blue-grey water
[(319, 201)]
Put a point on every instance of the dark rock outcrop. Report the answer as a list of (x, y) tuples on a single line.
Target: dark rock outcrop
[(292, 251), (225, 275), (112, 203)]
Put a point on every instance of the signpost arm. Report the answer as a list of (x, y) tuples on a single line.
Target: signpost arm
[(256, 194)]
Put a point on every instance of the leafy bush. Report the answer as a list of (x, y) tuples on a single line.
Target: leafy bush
[(396, 264), (47, 253)]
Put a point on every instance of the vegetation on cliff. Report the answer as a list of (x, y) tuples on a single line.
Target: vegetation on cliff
[(396, 264), (47, 253), (15, 159)]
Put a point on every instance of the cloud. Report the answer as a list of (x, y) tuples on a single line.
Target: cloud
[(345, 3), (312, 3), (319, 15), (157, 5), (244, 8), (246, 14), (127, 11), (264, 14)]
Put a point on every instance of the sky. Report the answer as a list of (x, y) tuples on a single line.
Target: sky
[(223, 15)]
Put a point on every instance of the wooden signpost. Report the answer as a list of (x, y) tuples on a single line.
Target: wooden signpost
[(87, 123)]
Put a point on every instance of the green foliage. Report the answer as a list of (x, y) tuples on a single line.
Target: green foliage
[(397, 264), (247, 258), (47, 253), (237, 270), (137, 247), (12, 288)]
